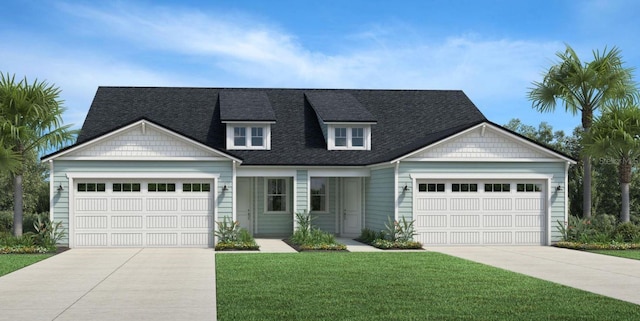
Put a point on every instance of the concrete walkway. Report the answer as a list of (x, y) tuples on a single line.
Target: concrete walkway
[(113, 284), (602, 274), (278, 246)]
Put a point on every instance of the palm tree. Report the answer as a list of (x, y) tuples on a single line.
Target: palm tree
[(9, 161), (30, 121), (616, 134), (584, 88)]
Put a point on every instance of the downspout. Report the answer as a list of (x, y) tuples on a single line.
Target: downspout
[(396, 194)]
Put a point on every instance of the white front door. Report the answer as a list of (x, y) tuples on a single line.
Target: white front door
[(351, 207), (244, 214)]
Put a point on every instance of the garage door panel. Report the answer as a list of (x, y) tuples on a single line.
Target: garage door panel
[(126, 222), (464, 221), (125, 239), (126, 204), (162, 204), (526, 204), (91, 239), (495, 220), (139, 216), (431, 204), (528, 220), (93, 204), (497, 204), (432, 237), (432, 220), (464, 238), (92, 222), (162, 221), (524, 237), (464, 204)]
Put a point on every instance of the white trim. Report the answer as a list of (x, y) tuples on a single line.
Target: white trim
[(342, 172), (150, 175), (502, 131), (253, 122), (511, 176), (72, 214), (366, 137), (233, 190), (155, 159), (288, 195), (548, 212), (396, 194), (294, 197), (350, 123), (266, 136), (51, 190), (265, 172), (485, 160), (140, 123), (566, 192), (254, 186)]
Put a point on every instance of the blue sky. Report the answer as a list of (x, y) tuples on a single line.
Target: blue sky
[(492, 50)]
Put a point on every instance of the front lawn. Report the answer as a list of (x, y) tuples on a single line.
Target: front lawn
[(395, 286), (629, 254), (12, 262)]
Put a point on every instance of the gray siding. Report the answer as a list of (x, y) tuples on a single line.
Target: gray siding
[(557, 169), (61, 168), (379, 198)]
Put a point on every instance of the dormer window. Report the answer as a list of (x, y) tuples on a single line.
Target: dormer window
[(248, 136), (349, 137)]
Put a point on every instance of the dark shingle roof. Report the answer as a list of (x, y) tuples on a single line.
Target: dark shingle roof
[(407, 120), (245, 106), (338, 106)]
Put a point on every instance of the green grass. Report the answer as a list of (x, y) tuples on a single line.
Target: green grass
[(12, 262), (395, 286), (629, 254)]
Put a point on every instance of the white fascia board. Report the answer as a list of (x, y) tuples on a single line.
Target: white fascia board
[(484, 125), (511, 176), (160, 175), (287, 171), (340, 172), (488, 160), (265, 172), (164, 158), (253, 122), (143, 123), (51, 190)]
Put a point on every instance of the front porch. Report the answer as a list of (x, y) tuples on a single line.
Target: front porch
[(266, 205)]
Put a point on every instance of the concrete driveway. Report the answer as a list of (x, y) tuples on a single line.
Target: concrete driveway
[(602, 274), (113, 284)]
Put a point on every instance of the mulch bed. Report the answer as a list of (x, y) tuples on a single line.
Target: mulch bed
[(297, 247)]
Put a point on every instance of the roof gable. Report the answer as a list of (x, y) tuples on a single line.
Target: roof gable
[(486, 142), (245, 106), (141, 140), (338, 106)]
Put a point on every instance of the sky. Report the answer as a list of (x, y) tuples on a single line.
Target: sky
[(493, 50)]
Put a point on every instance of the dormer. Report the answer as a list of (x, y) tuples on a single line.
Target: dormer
[(248, 117), (346, 124)]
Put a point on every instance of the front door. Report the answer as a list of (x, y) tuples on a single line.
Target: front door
[(351, 207), (244, 214)]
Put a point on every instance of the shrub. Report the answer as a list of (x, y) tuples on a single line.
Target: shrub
[(386, 244), (308, 238), (232, 237), (576, 229), (227, 230), (626, 232), (48, 233), (367, 236), (400, 230)]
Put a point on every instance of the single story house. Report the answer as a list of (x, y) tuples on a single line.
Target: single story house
[(159, 166)]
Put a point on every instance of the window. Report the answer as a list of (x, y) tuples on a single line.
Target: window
[(341, 137), (529, 188), (257, 138), (319, 195), (239, 136), (91, 187), (277, 200), (161, 187), (464, 187), (497, 187), (357, 137), (348, 137), (431, 187), (126, 187), (248, 136), (196, 187)]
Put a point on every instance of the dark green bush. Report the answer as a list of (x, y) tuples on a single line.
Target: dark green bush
[(367, 236), (626, 232), (28, 220)]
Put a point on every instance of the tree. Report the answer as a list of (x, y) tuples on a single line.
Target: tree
[(584, 88), (615, 137), (30, 121), (9, 161)]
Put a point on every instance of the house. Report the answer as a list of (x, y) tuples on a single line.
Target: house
[(158, 166)]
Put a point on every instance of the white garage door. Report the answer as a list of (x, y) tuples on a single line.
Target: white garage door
[(141, 213), (480, 212)]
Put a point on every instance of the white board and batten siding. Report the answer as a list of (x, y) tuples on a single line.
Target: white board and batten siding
[(144, 154), (483, 156)]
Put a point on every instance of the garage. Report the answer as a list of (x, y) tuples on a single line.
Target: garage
[(480, 212), (145, 212)]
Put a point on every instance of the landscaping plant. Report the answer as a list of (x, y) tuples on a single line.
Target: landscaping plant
[(306, 237), (232, 237)]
